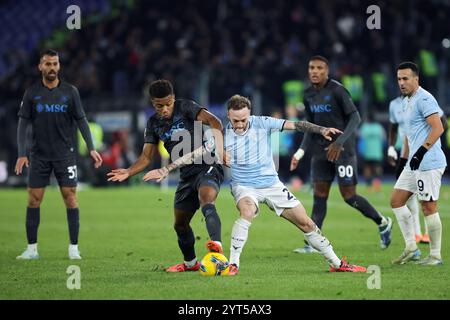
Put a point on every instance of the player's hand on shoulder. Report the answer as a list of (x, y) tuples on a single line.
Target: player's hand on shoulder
[(21, 161), (118, 175), (156, 174), (97, 158), (327, 133), (334, 151)]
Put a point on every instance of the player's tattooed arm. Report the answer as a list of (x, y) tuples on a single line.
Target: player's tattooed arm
[(308, 127), (162, 173)]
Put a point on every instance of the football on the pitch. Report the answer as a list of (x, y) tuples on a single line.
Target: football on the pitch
[(214, 264)]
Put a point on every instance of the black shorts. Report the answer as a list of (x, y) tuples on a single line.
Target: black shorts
[(40, 170), (186, 196), (346, 169)]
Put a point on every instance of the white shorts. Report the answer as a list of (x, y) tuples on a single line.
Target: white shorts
[(425, 184), (277, 197)]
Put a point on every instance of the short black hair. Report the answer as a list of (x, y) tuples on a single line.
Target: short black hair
[(49, 52), (409, 65), (160, 89), (319, 57)]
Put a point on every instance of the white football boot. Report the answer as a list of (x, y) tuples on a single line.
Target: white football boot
[(30, 253), (74, 253)]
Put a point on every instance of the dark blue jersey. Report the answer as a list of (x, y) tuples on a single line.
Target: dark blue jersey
[(53, 114), (173, 132), (330, 106)]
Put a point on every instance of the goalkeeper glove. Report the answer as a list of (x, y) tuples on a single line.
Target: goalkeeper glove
[(417, 158)]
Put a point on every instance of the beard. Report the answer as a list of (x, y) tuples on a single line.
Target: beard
[(50, 77)]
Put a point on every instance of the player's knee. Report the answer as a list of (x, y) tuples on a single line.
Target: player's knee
[(396, 202), (247, 214), (70, 200), (34, 200), (429, 208)]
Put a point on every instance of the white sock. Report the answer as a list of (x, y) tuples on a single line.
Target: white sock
[(435, 229), (73, 247), (321, 244), (406, 224), (413, 206), (32, 247), (425, 226), (239, 235), (191, 263)]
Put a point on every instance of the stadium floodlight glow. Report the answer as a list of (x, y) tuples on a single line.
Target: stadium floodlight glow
[(446, 43)]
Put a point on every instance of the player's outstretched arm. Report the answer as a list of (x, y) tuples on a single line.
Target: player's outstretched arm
[(160, 174), (305, 126), (119, 175)]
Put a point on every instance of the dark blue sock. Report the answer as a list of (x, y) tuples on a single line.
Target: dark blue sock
[(363, 206), (186, 243), (213, 224), (32, 224), (319, 210), (73, 220)]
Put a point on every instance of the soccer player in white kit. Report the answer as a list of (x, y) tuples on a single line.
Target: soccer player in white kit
[(426, 164), (397, 127), (254, 180)]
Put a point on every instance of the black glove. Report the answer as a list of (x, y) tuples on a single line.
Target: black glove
[(400, 166), (417, 158)]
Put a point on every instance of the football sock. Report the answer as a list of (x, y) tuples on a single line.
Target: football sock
[(363, 206), (186, 243), (32, 224), (413, 206), (319, 210), (191, 263), (239, 235), (406, 224), (435, 231), (73, 220), (212, 220), (425, 226), (321, 244)]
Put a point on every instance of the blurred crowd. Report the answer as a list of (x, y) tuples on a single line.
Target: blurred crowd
[(234, 46)]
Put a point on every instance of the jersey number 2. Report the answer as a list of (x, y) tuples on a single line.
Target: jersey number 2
[(289, 195)]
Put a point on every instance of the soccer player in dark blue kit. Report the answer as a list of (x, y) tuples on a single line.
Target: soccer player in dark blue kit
[(53, 109), (328, 104), (199, 183)]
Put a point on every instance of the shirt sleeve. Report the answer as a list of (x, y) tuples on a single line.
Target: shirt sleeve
[(25, 106), (345, 100), (392, 113), (428, 106), (272, 124), (149, 134), (191, 109), (77, 107)]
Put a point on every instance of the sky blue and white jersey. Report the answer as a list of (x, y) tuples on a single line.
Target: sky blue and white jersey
[(396, 116), (251, 153), (417, 108)]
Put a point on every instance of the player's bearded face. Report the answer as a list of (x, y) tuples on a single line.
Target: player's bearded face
[(164, 106), (49, 67), (408, 82), (317, 71), (239, 119)]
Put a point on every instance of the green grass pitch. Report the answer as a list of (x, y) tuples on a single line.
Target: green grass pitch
[(127, 239)]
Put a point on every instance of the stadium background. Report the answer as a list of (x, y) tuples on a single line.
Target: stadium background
[(212, 50)]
